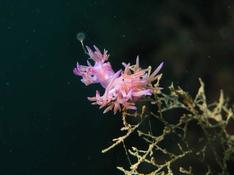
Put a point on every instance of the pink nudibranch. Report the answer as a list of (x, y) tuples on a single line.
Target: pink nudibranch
[(122, 88)]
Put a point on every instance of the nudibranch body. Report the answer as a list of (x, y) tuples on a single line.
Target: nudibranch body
[(122, 88)]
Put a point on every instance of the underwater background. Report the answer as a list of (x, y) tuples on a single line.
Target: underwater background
[(47, 125)]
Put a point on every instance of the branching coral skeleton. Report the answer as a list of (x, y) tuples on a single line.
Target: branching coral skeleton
[(214, 143), (185, 149)]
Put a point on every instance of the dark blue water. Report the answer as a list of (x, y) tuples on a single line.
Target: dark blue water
[(47, 126)]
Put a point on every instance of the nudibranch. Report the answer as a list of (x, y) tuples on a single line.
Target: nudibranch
[(122, 88)]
